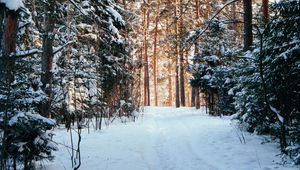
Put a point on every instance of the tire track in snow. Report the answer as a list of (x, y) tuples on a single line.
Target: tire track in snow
[(169, 158), (160, 148), (193, 150), (153, 146)]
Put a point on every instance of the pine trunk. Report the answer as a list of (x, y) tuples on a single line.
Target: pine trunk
[(193, 96), (8, 34), (170, 83), (155, 55), (208, 9), (47, 59), (197, 98), (234, 18), (181, 54), (265, 11), (176, 60), (197, 14), (248, 35), (170, 89), (146, 67)]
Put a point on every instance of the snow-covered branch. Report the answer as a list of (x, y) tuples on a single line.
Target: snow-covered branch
[(277, 112), (199, 32), (58, 49), (26, 53), (79, 8)]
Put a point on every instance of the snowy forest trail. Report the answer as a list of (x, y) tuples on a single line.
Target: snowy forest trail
[(170, 139)]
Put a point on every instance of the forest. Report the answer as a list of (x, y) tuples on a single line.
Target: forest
[(85, 64)]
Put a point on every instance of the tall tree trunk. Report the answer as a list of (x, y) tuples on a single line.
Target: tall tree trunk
[(124, 4), (193, 96), (139, 87), (155, 54), (197, 98), (170, 82), (8, 34), (146, 67), (197, 14), (207, 9), (170, 89), (248, 36), (233, 11), (265, 11), (195, 90), (148, 77), (186, 79), (176, 59), (144, 57), (47, 57), (181, 54)]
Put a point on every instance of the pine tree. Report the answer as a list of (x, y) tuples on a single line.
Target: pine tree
[(24, 136), (266, 99)]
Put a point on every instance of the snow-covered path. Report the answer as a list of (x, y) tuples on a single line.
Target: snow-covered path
[(170, 139)]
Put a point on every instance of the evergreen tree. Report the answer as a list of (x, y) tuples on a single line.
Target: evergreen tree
[(267, 99), (24, 136)]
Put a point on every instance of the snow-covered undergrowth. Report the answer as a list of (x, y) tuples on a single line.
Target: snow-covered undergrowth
[(169, 138), (12, 4)]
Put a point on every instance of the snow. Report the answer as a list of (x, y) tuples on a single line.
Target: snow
[(191, 34), (207, 77), (116, 15), (227, 80), (231, 92), (21, 146), (111, 27), (27, 52), (122, 102), (280, 118), (13, 4), (169, 138), (15, 119), (85, 27), (212, 58), (93, 90)]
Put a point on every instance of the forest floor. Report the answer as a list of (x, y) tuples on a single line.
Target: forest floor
[(170, 139)]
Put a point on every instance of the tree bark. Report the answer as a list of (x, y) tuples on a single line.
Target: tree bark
[(8, 34), (155, 54), (234, 18), (170, 83), (197, 98), (265, 11), (208, 9), (197, 14), (248, 35), (146, 67), (47, 58), (170, 89), (176, 60), (195, 90), (144, 58), (181, 54)]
